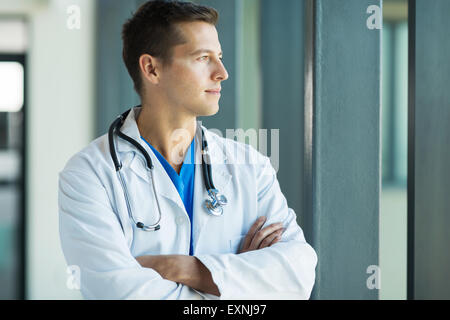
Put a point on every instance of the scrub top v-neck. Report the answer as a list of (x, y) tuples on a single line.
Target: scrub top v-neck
[(183, 182)]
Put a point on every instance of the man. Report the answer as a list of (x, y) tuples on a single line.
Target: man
[(255, 249)]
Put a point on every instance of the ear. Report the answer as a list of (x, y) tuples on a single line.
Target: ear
[(150, 68)]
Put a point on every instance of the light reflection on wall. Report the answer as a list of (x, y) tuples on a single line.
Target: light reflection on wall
[(393, 209)]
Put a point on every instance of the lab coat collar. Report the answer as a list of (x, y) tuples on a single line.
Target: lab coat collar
[(133, 158), (131, 129)]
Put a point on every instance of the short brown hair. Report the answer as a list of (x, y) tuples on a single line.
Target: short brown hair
[(152, 30)]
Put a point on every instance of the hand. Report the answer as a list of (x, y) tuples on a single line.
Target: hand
[(187, 270), (165, 265), (258, 238)]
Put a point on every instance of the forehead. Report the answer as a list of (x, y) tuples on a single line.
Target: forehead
[(197, 35)]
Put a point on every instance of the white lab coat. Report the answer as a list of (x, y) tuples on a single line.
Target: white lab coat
[(98, 236)]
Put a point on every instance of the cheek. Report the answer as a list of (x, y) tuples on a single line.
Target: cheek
[(196, 74), (192, 81), (187, 80)]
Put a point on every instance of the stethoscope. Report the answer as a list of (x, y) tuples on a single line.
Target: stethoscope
[(214, 206)]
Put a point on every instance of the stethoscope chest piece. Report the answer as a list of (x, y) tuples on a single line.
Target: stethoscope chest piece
[(214, 210), (214, 206)]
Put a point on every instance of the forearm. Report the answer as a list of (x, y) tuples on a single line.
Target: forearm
[(194, 274), (285, 270), (187, 270)]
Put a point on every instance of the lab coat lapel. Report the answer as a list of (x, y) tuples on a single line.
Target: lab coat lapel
[(133, 158), (221, 178)]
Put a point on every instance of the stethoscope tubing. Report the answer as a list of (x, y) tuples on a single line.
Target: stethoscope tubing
[(214, 206)]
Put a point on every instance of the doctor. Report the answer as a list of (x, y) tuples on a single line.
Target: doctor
[(248, 246)]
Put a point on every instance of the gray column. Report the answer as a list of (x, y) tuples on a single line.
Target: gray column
[(343, 146), (429, 254)]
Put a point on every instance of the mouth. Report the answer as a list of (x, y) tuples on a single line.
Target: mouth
[(213, 91)]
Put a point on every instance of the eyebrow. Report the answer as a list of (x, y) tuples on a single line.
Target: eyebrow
[(204, 50)]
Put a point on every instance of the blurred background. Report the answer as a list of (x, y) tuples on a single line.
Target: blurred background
[(393, 206), (340, 88)]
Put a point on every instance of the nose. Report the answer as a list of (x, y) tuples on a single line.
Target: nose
[(220, 73)]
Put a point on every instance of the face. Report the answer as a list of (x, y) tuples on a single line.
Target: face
[(192, 82)]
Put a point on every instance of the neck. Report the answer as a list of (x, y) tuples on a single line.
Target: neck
[(169, 132)]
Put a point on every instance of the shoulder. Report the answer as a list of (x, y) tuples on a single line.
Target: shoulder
[(90, 158)]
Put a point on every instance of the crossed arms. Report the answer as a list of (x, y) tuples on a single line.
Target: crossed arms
[(190, 271), (93, 239)]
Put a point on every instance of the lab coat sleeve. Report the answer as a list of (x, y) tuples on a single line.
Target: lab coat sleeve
[(93, 241), (285, 270)]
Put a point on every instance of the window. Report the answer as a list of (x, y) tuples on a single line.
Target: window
[(12, 186)]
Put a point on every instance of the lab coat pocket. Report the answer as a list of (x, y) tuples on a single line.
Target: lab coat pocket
[(236, 243)]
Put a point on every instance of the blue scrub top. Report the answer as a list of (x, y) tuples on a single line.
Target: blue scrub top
[(184, 183)]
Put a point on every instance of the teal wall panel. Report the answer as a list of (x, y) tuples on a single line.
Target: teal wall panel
[(282, 58), (432, 150), (345, 152), (115, 92)]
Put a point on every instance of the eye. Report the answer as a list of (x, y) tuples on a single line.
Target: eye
[(203, 58)]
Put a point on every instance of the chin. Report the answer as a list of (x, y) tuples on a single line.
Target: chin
[(210, 111)]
